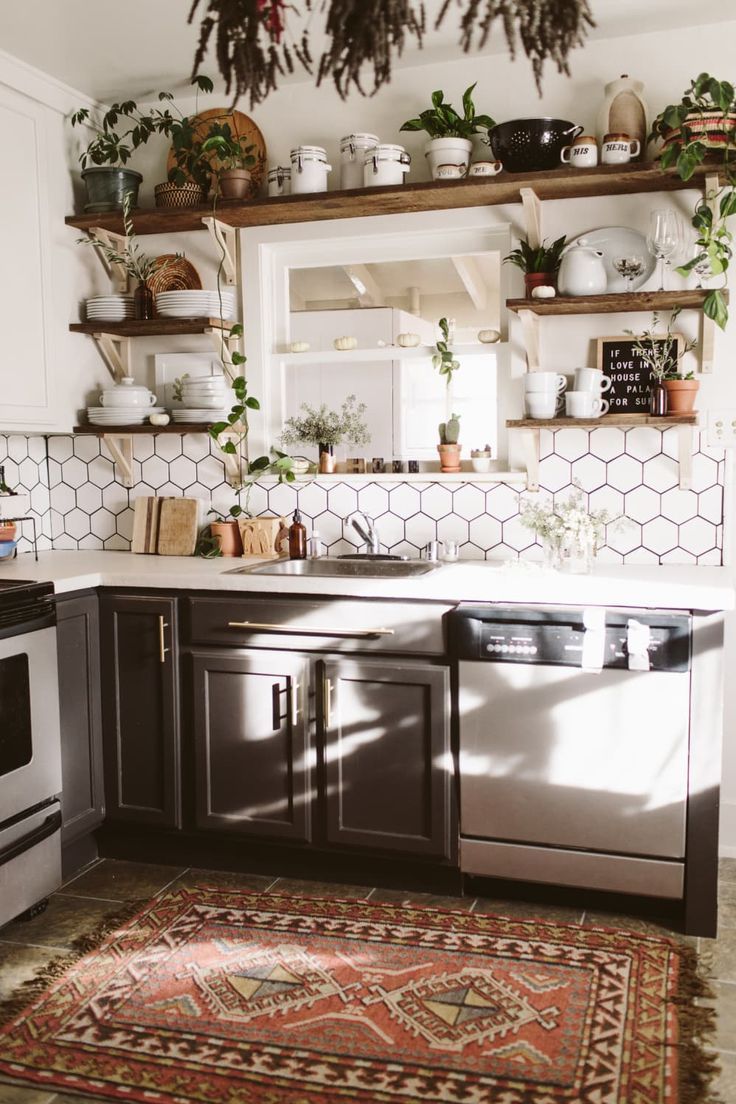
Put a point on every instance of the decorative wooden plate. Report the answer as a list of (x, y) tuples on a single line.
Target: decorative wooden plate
[(241, 125), (178, 275)]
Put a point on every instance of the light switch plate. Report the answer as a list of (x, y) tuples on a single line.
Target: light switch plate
[(721, 429)]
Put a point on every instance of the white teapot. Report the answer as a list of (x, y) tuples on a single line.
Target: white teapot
[(582, 271)]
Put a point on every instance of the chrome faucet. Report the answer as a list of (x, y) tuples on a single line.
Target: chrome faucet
[(365, 527)]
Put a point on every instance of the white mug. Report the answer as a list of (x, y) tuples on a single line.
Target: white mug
[(617, 149), (582, 154), (544, 382), (584, 404), (485, 168), (543, 404), (450, 172), (591, 379)]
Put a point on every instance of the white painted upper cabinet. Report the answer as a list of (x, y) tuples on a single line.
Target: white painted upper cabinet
[(26, 381)]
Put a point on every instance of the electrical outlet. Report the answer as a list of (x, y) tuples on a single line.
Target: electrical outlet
[(721, 429)]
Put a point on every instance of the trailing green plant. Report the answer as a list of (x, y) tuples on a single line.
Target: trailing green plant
[(184, 132), (662, 352), (680, 125), (441, 120), (444, 359), (542, 258), (207, 546), (132, 258), (112, 145), (322, 426), (450, 430), (233, 151)]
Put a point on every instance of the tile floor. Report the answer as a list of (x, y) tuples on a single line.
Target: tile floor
[(102, 888)]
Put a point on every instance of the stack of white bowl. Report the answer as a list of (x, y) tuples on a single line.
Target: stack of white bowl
[(204, 399), (124, 404), (195, 304), (110, 308), (543, 394)]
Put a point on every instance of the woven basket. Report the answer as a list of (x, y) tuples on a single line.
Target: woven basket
[(178, 195), (176, 275), (707, 128)]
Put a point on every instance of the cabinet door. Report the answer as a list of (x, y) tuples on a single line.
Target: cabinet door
[(251, 729), (387, 755), (140, 710), (78, 642)]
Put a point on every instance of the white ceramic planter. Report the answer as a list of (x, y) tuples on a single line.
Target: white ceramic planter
[(448, 151)]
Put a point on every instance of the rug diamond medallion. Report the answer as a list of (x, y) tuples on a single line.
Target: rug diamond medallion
[(212, 996)]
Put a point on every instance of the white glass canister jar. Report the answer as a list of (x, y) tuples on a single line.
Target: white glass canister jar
[(309, 170), (279, 181), (353, 150), (386, 164)]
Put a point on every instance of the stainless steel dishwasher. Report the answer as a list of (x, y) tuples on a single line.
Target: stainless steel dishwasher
[(573, 745)]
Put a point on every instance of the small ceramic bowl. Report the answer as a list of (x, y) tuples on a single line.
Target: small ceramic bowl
[(7, 549), (481, 463)]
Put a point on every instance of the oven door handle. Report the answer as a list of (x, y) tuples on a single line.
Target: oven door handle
[(50, 825)]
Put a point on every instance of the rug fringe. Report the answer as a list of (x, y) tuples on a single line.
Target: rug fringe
[(697, 1067), (29, 991)]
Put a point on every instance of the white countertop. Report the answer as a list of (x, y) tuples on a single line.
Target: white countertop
[(665, 587)]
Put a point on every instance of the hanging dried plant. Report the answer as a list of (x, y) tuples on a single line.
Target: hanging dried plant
[(548, 29), (367, 32), (250, 44)]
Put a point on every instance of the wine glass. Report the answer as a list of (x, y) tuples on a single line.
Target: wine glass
[(702, 267), (663, 238), (629, 268)]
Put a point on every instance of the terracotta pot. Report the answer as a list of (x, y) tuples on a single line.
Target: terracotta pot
[(537, 279), (227, 535), (449, 457), (681, 395), (235, 183)]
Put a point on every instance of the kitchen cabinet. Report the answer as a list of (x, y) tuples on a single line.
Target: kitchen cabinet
[(140, 714), (78, 645), (252, 743), (387, 755)]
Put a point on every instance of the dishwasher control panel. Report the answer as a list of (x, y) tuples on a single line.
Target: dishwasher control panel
[(558, 637)]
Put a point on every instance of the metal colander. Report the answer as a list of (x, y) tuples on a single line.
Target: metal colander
[(531, 145)]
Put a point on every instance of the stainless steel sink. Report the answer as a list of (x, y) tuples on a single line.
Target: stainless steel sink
[(360, 567)]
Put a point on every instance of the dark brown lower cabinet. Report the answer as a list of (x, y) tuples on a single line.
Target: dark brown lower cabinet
[(251, 739), (78, 643), (388, 766), (140, 689)]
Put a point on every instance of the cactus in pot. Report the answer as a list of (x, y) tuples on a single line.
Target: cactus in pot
[(448, 448)]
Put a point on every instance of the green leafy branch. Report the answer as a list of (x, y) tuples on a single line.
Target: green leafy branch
[(444, 359)]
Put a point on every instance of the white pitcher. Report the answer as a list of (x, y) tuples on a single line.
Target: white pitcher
[(582, 271)]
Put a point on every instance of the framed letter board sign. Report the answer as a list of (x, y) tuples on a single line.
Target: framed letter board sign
[(630, 376)]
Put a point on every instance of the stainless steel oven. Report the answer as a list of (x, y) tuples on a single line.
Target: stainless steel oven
[(30, 751)]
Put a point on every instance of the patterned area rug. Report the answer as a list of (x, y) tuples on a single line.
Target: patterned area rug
[(220, 997)]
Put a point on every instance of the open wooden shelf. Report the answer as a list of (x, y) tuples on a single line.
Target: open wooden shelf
[(609, 304), (560, 183), (153, 327), (604, 420), (120, 430)]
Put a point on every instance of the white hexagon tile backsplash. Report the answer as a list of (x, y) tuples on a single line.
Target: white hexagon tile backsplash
[(79, 504)]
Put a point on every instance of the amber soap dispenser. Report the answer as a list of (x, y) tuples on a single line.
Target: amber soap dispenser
[(297, 538)]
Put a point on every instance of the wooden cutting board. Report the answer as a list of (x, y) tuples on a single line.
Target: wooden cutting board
[(146, 519), (178, 526)]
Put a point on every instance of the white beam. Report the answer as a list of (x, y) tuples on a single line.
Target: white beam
[(373, 295), (469, 272)]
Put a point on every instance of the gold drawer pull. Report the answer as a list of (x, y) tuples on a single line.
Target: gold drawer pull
[(263, 626), (162, 627), (295, 707), (328, 703)]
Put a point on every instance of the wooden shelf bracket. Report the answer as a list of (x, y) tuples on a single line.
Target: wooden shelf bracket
[(234, 462), (120, 447), (530, 441), (530, 329), (226, 241), (115, 352), (119, 278), (532, 216), (224, 345)]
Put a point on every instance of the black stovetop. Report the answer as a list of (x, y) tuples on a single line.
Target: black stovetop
[(24, 601)]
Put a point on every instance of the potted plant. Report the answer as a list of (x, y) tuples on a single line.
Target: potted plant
[(226, 532), (444, 359), (703, 125), (450, 133), (235, 157), (326, 428), (540, 265), (190, 175), (570, 533), (671, 391), (103, 162), (448, 448), (139, 265)]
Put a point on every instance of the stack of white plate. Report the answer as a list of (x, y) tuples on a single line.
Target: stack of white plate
[(206, 415), (110, 308), (121, 415), (195, 304)]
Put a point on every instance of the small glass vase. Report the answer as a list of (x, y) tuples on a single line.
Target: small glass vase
[(327, 462), (142, 302), (657, 399), (573, 556)]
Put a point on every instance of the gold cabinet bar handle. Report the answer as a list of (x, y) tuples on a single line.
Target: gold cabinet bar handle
[(263, 626), (295, 709), (328, 703), (162, 627)]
